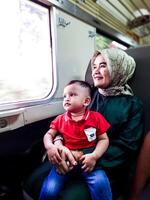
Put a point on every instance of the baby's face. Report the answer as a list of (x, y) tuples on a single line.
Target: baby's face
[(75, 97)]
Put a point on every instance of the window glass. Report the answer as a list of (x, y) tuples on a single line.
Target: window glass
[(103, 42), (25, 50)]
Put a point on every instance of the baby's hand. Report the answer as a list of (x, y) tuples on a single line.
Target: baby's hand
[(88, 162)]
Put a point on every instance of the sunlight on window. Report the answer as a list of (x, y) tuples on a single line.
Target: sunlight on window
[(25, 50)]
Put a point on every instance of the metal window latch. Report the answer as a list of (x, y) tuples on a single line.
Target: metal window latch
[(91, 34), (62, 22), (3, 122)]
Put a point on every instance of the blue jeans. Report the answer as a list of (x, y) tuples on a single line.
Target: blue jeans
[(97, 182)]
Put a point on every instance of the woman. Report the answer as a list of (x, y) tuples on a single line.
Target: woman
[(111, 69), (113, 98)]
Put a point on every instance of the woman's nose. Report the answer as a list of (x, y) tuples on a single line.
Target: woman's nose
[(97, 69)]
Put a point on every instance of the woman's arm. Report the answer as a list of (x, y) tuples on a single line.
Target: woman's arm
[(142, 173)]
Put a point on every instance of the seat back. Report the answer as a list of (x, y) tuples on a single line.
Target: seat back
[(140, 83)]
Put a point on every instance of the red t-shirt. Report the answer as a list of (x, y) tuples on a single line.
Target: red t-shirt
[(83, 133)]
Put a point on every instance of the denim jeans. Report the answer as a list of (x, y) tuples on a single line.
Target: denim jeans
[(96, 181)]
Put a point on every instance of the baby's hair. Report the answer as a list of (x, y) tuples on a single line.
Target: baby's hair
[(83, 84)]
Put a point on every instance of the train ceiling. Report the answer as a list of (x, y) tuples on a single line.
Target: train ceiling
[(134, 14), (130, 17)]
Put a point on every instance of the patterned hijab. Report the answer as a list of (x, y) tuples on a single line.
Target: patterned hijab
[(121, 67)]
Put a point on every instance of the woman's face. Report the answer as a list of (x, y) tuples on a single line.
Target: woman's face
[(100, 73)]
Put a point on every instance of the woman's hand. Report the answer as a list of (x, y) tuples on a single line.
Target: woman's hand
[(88, 162), (67, 162), (77, 154), (54, 154)]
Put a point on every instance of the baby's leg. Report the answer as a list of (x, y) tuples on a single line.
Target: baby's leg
[(98, 184), (53, 185)]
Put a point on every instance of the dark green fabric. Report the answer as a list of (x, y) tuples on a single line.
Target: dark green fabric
[(75, 190), (33, 183), (125, 114)]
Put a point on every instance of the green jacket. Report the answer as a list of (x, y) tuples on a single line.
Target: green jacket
[(126, 116)]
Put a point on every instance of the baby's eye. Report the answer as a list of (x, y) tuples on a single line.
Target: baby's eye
[(73, 94)]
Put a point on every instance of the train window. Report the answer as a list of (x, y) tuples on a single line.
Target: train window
[(26, 62), (103, 42)]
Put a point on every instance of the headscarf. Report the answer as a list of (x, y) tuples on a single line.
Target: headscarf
[(121, 67)]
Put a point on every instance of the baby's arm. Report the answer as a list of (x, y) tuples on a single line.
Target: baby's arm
[(89, 160), (53, 151)]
